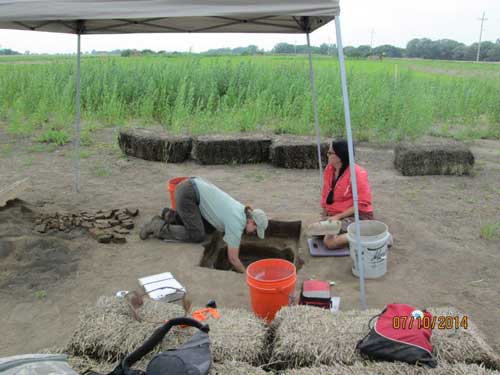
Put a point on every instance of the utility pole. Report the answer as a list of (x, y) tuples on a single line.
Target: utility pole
[(482, 19), (371, 40)]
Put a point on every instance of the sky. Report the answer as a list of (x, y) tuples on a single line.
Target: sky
[(363, 22)]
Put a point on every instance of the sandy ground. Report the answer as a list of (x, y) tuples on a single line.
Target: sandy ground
[(438, 257)]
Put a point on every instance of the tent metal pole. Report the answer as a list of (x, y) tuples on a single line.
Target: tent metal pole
[(77, 118), (315, 108), (347, 115)]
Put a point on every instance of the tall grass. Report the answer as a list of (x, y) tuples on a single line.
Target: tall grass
[(199, 95)]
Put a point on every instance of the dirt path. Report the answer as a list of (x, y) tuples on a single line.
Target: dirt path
[(438, 257)]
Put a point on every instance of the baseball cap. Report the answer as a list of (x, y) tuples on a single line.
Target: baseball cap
[(261, 221)]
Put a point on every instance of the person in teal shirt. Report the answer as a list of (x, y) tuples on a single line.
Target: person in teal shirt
[(202, 208)]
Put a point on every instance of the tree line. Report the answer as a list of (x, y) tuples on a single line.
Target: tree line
[(442, 49)]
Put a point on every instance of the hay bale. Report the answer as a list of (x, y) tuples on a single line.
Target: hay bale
[(436, 158), (235, 368), (231, 149), (392, 368), (108, 331), (155, 145), (238, 336), (310, 336), (297, 152), (461, 345), (82, 364)]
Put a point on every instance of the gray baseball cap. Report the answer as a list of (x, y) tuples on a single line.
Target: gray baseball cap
[(261, 221)]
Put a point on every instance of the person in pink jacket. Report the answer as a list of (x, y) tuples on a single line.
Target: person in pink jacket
[(336, 197)]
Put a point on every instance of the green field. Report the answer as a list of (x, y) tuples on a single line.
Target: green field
[(390, 100)]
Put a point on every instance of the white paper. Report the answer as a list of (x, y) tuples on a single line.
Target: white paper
[(162, 286), (335, 304)]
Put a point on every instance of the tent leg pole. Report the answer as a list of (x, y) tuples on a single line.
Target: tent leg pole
[(315, 108), (77, 119), (347, 115)]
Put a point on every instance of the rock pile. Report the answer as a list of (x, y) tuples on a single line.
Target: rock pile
[(105, 226)]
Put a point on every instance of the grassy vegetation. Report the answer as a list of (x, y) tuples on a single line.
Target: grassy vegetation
[(389, 99), (491, 231)]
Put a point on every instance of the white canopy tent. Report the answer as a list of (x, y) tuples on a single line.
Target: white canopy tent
[(187, 16)]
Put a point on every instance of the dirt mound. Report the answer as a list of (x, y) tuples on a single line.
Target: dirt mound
[(29, 260), (35, 262)]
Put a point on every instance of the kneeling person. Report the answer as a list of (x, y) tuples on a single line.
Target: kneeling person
[(202, 207)]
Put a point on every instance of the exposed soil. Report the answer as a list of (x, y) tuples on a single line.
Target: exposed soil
[(215, 253), (438, 257)]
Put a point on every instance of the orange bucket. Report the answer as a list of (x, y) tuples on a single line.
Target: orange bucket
[(172, 185), (272, 286)]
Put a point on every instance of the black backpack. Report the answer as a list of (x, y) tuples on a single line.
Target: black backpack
[(192, 358)]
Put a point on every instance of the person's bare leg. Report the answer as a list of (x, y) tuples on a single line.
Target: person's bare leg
[(335, 241)]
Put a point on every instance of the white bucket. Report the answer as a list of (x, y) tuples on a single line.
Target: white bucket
[(374, 237)]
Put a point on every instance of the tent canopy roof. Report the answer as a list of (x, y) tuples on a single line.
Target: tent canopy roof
[(163, 16)]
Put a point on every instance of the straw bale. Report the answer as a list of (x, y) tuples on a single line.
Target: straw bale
[(307, 336), (392, 368), (310, 336), (108, 331), (81, 364), (435, 158), (461, 345), (235, 368), (154, 144), (297, 152), (231, 149), (238, 336)]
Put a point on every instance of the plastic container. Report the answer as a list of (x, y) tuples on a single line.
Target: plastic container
[(172, 185), (272, 285), (374, 237)]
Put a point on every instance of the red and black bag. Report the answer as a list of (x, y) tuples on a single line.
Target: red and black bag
[(316, 293), (401, 333)]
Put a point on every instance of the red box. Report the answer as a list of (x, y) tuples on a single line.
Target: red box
[(316, 293)]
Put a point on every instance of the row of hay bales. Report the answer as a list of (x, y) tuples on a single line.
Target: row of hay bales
[(436, 157), (280, 151), (301, 340)]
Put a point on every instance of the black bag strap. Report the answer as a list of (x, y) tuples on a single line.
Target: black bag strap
[(157, 337), (124, 367), (370, 326)]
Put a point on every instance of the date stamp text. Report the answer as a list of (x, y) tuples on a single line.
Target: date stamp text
[(434, 322)]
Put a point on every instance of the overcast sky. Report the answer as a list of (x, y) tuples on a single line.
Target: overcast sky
[(392, 21)]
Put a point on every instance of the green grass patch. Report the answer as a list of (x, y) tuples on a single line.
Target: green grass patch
[(58, 137), (207, 94), (491, 231), (28, 162), (6, 150), (40, 294), (85, 154), (101, 170), (37, 148)]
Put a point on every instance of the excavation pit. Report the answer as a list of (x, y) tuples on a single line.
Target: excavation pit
[(281, 242)]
